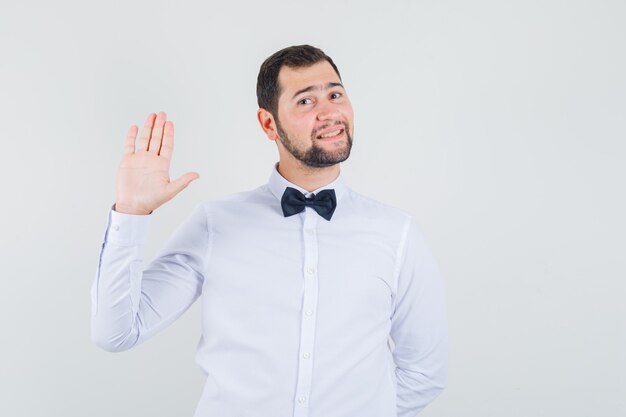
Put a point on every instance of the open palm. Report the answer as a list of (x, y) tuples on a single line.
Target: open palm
[(143, 180)]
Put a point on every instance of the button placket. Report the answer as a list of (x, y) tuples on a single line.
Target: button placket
[(308, 323)]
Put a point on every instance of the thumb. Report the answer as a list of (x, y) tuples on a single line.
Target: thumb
[(181, 183)]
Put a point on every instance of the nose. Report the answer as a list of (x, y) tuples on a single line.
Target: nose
[(328, 111)]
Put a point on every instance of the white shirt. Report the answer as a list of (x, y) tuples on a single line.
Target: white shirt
[(296, 311)]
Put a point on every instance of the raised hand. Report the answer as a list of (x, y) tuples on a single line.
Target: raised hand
[(143, 180)]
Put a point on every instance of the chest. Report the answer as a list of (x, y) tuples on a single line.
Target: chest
[(274, 269)]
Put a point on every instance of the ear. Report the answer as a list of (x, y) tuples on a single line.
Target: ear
[(266, 120)]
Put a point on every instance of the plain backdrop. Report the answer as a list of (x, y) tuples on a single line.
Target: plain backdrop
[(499, 124)]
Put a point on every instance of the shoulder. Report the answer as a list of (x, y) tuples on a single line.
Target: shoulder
[(375, 209)]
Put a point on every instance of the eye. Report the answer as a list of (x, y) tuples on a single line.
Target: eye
[(303, 101), (335, 95)]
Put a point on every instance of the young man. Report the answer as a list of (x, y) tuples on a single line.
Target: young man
[(304, 281)]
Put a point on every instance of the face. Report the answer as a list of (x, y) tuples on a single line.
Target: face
[(315, 119)]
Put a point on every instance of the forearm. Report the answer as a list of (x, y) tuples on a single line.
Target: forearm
[(116, 288), (115, 297)]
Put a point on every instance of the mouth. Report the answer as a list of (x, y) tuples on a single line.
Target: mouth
[(332, 135)]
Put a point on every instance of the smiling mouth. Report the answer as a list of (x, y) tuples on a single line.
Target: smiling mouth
[(331, 135)]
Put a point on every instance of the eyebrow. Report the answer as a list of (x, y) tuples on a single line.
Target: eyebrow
[(317, 87)]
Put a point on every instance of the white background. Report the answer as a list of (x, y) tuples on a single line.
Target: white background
[(499, 124)]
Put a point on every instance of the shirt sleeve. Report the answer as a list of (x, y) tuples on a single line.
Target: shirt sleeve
[(418, 325), (130, 303)]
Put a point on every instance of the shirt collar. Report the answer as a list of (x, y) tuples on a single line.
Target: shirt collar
[(277, 185)]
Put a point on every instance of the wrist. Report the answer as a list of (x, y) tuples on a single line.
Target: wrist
[(120, 208)]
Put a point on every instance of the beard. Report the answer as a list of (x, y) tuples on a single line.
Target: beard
[(316, 156)]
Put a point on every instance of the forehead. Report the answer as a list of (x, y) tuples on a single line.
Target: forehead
[(294, 79)]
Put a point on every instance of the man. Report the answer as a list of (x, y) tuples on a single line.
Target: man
[(303, 280)]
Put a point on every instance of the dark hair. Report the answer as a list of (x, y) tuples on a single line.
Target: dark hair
[(297, 56)]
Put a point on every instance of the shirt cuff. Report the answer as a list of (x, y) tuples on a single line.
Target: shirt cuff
[(127, 229)]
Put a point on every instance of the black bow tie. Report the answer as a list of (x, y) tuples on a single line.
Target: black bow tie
[(294, 201)]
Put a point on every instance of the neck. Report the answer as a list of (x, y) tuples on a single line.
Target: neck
[(309, 178)]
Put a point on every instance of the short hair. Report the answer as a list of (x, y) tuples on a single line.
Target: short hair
[(297, 56)]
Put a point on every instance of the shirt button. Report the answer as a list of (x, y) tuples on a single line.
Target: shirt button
[(310, 270), (309, 313), (306, 355), (302, 399), (116, 227)]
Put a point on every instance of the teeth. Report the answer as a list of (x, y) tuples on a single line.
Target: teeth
[(328, 135)]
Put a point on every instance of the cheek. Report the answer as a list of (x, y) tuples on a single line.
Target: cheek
[(303, 124), (349, 111)]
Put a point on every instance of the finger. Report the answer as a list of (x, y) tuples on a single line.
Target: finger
[(175, 187), (129, 144), (157, 133), (144, 139), (167, 146)]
